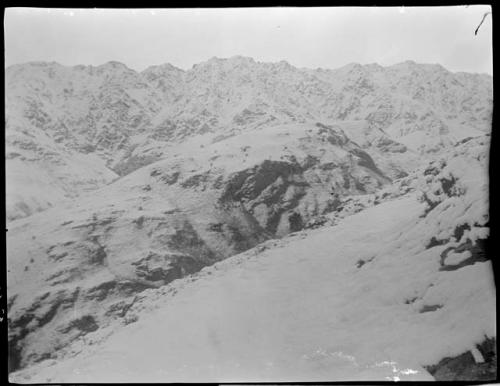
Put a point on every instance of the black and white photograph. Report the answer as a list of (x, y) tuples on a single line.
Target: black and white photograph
[(249, 195)]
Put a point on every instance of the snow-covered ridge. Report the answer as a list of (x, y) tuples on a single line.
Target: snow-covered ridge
[(241, 60), (130, 119)]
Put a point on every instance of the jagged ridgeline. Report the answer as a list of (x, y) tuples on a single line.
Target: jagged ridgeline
[(131, 195), (72, 129)]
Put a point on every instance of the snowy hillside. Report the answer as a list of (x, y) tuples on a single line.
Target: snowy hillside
[(248, 221), (334, 303), (172, 218), (123, 119), (41, 173)]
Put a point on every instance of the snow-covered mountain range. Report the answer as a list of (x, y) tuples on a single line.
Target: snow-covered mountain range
[(126, 190), (71, 129)]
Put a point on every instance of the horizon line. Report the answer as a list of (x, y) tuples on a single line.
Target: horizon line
[(236, 57)]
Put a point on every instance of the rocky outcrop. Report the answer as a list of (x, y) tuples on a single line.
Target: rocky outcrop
[(478, 366)]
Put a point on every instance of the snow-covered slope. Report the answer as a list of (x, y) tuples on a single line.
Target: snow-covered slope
[(169, 219), (120, 184), (382, 295), (41, 173), (129, 119)]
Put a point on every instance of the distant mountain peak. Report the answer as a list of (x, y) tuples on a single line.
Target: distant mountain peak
[(161, 68), (115, 65)]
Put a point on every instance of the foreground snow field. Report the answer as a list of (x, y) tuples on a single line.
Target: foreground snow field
[(303, 309)]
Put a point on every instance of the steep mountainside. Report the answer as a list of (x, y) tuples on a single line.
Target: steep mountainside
[(58, 116), (170, 219), (384, 294), (346, 204)]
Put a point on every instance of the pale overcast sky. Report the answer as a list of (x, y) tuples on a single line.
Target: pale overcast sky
[(305, 37)]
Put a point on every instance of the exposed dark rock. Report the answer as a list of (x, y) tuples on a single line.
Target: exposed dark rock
[(464, 368), (334, 137), (64, 275), (448, 184), (155, 172), (328, 166), (139, 221), (10, 301), (218, 183), (411, 300), (310, 161), (430, 204), (435, 242), (240, 228), (316, 222), (362, 262), (95, 223), (250, 183), (346, 177), (465, 140), (28, 321), (133, 286), (333, 204), (388, 145), (430, 308), (165, 268), (274, 189), (365, 160), (195, 181), (359, 186), (477, 251), (247, 116), (101, 291), (54, 252), (132, 163), (216, 227), (171, 178), (295, 221), (87, 148), (128, 319), (95, 251), (277, 211), (84, 324), (187, 241), (431, 171), (12, 155), (459, 231), (119, 308), (236, 235)]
